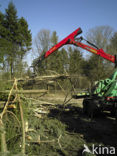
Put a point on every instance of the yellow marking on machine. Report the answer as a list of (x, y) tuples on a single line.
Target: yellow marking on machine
[(93, 51), (53, 48), (79, 94)]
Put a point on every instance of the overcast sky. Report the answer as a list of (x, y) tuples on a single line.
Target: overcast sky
[(64, 16)]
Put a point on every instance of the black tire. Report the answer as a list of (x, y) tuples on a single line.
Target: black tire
[(116, 116), (85, 106), (90, 107), (113, 111)]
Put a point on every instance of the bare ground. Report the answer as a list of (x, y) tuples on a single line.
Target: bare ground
[(80, 130), (64, 130)]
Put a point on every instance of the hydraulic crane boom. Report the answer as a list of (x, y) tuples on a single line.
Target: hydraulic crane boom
[(104, 97), (71, 39)]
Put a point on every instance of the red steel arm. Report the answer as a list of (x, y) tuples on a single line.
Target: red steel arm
[(70, 39), (99, 52), (64, 41)]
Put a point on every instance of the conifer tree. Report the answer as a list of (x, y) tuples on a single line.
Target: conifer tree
[(75, 61), (15, 38), (58, 59)]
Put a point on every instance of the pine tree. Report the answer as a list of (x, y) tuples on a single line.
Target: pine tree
[(4, 43), (94, 68), (24, 37), (57, 60), (53, 59), (2, 34), (62, 61), (15, 37), (75, 61)]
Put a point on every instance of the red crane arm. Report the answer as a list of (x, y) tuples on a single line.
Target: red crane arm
[(99, 52), (70, 39), (64, 41)]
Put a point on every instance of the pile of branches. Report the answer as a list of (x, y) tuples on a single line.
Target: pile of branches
[(23, 126)]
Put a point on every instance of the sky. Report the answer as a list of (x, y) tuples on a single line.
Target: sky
[(64, 16)]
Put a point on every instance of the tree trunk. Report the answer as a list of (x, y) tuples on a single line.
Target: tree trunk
[(11, 70)]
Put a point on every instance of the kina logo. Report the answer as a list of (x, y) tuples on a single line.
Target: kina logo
[(86, 149), (99, 150)]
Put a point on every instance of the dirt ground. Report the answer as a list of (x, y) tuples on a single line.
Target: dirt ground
[(64, 129), (80, 130)]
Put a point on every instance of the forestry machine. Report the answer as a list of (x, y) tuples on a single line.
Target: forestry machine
[(104, 96)]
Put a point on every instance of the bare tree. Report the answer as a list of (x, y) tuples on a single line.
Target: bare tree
[(42, 41), (100, 36)]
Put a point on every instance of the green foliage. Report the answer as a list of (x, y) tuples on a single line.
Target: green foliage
[(57, 61), (47, 127), (5, 85), (11, 22), (15, 38), (13, 127), (54, 38), (75, 61), (72, 61), (112, 48), (24, 37), (13, 132), (3, 35), (94, 68)]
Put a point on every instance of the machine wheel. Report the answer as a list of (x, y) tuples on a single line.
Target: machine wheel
[(113, 111), (116, 116), (85, 106), (90, 107)]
